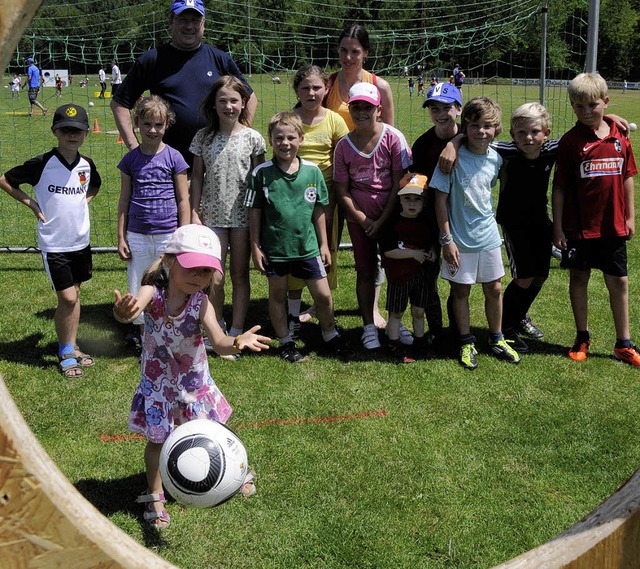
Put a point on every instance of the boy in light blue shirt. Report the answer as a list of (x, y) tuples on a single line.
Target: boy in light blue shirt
[(468, 231)]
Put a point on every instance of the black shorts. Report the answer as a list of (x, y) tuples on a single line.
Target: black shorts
[(528, 251), (609, 254), (415, 290), (67, 269), (307, 270)]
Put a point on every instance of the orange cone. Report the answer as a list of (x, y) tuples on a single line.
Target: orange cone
[(96, 127), (120, 141)]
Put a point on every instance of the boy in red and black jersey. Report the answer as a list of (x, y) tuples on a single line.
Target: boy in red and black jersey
[(593, 211)]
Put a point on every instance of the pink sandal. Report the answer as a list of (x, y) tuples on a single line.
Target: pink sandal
[(157, 520)]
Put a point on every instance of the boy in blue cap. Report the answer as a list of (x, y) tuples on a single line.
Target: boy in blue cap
[(444, 103)]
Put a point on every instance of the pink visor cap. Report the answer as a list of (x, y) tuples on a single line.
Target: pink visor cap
[(195, 246), (365, 92)]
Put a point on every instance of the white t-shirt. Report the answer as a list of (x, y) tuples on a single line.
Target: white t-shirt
[(61, 192)]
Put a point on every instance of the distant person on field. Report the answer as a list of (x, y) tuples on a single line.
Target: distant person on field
[(458, 76), (116, 78), (407, 245), (225, 153), (154, 196), (15, 86), (624, 86), (421, 85), (411, 84), (468, 230), (594, 213), (180, 72), (176, 385), (34, 81), (102, 77), (287, 197), (58, 83), (64, 182)]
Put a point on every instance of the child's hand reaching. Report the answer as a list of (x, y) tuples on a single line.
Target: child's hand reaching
[(252, 341)]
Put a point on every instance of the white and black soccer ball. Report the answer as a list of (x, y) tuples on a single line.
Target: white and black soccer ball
[(203, 463)]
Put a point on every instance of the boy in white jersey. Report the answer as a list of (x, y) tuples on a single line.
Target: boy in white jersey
[(64, 182)]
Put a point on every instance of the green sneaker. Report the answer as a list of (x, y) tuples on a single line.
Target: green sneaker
[(467, 357), (503, 351)]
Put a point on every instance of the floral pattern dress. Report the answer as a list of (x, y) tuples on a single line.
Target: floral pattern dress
[(227, 161), (176, 385)]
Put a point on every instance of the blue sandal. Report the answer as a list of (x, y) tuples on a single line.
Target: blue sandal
[(69, 366)]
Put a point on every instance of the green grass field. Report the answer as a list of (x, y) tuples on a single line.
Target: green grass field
[(368, 464)]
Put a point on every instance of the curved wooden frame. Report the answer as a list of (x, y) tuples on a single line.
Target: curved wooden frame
[(44, 521), (607, 538)]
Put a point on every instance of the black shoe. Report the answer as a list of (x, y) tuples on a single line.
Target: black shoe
[(528, 328), (398, 352), (339, 348), (515, 341), (290, 353)]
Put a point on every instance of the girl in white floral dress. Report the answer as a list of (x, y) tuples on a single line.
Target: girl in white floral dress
[(225, 153), (176, 385)]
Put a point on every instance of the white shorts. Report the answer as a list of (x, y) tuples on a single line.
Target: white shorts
[(145, 249), (481, 267)]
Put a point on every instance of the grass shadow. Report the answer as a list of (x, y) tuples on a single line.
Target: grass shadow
[(119, 495), (25, 350)]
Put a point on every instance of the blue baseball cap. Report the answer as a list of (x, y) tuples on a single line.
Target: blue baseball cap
[(29, 60), (180, 6), (443, 93)]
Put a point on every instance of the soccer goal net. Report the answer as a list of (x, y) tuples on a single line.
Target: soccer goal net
[(496, 42)]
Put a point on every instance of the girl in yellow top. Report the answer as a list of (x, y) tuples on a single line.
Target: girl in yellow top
[(322, 130)]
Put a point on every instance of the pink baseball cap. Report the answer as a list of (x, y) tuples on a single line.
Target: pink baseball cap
[(365, 92), (195, 246)]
